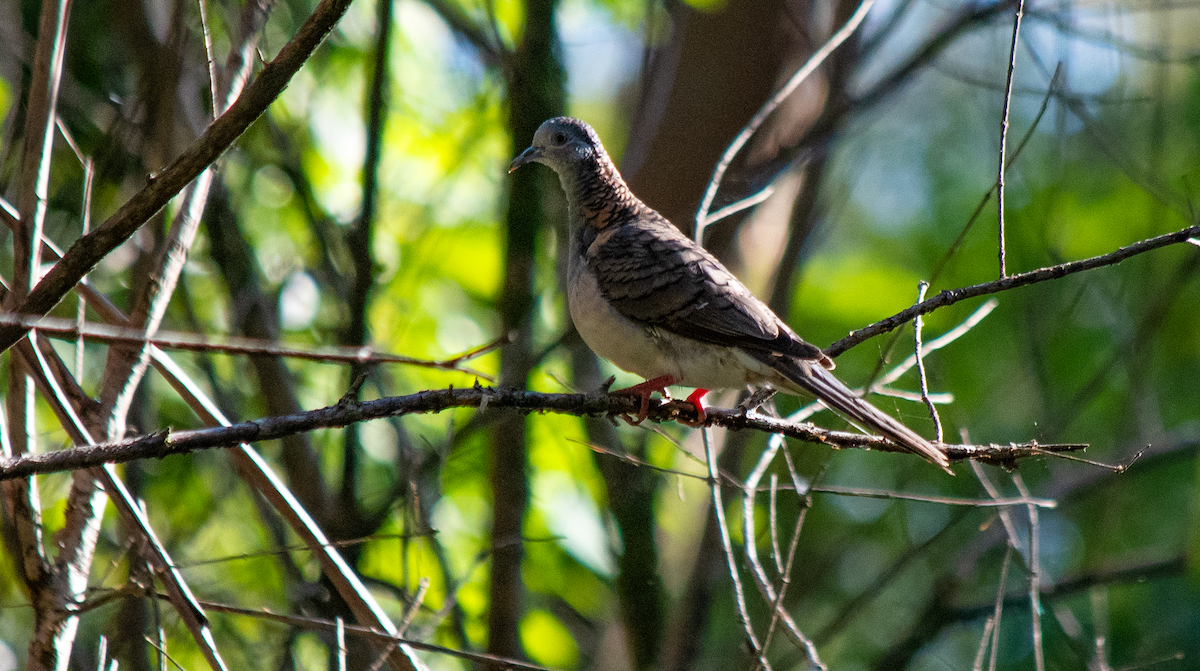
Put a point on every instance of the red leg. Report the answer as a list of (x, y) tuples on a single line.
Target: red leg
[(643, 391), (695, 398)]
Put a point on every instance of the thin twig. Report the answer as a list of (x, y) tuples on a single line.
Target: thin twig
[(743, 204), (1008, 86), (702, 215), (997, 502), (919, 353), (340, 639), (952, 296), (785, 580), (983, 201), (107, 333), (414, 607), (1099, 599), (370, 633), (41, 104), (937, 343), (773, 524), (879, 385), (210, 59), (1005, 516), (89, 177), (739, 595), (1035, 577), (750, 546), (1008, 550), (981, 653)]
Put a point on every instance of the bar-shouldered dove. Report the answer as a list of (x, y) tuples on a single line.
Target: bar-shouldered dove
[(655, 303)]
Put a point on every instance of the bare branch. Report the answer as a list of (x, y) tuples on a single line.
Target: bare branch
[(174, 340), (739, 594), (167, 442), (39, 139), (1008, 87), (91, 248), (952, 296), (462, 25), (318, 624), (919, 355), (703, 219), (1035, 576)]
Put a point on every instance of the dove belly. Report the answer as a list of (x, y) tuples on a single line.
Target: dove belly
[(653, 352)]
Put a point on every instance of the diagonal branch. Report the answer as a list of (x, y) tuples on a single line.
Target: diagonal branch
[(952, 296), (75, 560), (126, 365), (42, 103), (91, 248)]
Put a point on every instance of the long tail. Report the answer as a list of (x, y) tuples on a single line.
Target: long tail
[(838, 397)]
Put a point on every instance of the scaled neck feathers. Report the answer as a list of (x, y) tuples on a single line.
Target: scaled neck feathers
[(597, 194)]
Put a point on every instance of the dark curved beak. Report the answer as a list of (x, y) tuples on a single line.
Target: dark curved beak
[(528, 156)]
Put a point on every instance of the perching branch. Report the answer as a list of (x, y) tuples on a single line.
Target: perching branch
[(167, 442)]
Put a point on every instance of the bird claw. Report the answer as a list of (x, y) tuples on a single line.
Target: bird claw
[(695, 398), (643, 390)]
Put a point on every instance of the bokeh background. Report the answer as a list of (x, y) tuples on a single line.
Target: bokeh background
[(336, 221)]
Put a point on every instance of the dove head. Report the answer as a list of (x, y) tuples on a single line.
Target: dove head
[(596, 194), (567, 145)]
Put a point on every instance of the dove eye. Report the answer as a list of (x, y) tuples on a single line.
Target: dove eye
[(560, 138)]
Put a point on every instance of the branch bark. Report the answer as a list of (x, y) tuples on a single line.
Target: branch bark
[(952, 296), (166, 443)]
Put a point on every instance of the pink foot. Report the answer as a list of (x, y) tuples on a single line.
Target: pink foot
[(695, 398), (643, 391)]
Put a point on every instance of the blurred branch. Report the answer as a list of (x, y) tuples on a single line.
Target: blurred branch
[(174, 340), (942, 613), (703, 217), (318, 624), (492, 52), (359, 238), (165, 443), (41, 102), (536, 82), (1063, 589), (952, 296), (126, 364), (84, 509), (714, 483), (91, 248), (839, 112)]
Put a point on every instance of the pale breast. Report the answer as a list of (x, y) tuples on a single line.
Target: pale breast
[(610, 335), (651, 352)]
